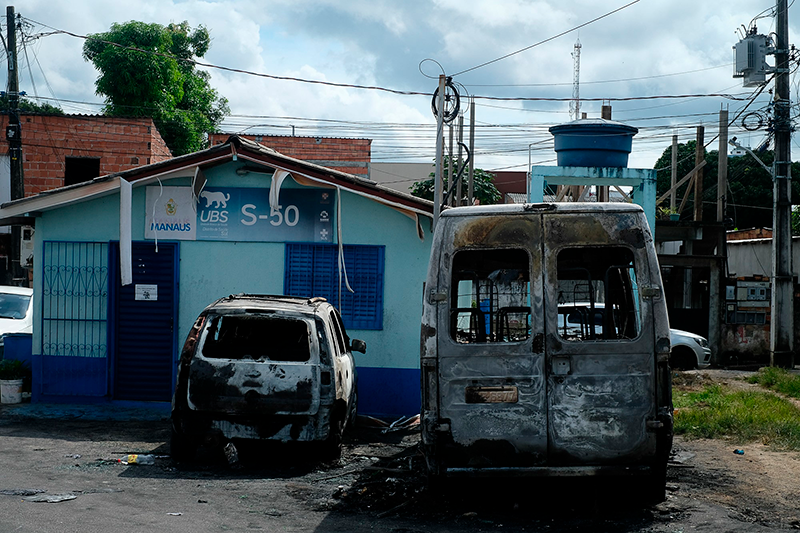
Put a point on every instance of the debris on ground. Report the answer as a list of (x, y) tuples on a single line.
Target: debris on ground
[(365, 421), (51, 498), (231, 454), (21, 492), (403, 423)]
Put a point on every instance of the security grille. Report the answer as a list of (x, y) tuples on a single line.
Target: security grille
[(75, 299)]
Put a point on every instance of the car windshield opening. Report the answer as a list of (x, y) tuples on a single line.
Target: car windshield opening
[(14, 305), (257, 337)]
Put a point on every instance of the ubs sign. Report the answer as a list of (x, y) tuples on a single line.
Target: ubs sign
[(239, 214)]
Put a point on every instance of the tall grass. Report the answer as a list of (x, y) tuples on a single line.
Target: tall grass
[(777, 379), (747, 416)]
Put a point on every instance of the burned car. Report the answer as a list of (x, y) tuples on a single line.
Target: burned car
[(519, 376), (263, 367)]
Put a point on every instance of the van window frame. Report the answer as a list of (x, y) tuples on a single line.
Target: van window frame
[(493, 314), (636, 300)]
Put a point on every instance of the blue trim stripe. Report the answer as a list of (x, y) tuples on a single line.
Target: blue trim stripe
[(388, 392)]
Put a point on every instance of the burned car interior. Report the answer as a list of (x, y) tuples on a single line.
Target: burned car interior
[(242, 337)]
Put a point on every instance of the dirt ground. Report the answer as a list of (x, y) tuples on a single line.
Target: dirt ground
[(377, 485)]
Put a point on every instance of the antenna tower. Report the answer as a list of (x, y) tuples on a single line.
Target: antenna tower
[(575, 103)]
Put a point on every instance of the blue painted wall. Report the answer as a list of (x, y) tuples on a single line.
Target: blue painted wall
[(389, 371)]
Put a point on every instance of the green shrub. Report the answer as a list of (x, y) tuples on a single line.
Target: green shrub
[(13, 369), (779, 380), (748, 416)]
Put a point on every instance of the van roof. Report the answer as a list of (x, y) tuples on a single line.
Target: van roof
[(561, 207)]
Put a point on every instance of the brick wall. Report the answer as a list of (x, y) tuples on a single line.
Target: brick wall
[(119, 143), (751, 233), (346, 155)]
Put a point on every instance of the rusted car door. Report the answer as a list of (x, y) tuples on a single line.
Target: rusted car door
[(600, 367), (250, 363), (490, 341)]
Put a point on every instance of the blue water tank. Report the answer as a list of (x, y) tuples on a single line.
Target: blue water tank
[(593, 143)]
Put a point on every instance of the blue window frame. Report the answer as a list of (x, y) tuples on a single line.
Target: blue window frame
[(311, 270)]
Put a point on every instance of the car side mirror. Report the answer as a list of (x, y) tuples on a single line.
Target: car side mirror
[(357, 345)]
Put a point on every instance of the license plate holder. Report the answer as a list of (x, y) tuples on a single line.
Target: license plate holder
[(492, 394)]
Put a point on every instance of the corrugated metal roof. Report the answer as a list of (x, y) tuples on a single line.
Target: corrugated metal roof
[(290, 136)]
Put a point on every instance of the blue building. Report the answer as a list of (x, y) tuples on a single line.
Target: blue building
[(124, 263)]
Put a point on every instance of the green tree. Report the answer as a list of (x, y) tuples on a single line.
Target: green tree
[(483, 185), (151, 73), (749, 195), (795, 220), (26, 106)]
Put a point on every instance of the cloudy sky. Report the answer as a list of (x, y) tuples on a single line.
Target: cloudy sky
[(650, 48)]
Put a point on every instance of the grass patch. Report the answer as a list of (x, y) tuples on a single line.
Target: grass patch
[(777, 379), (748, 416)]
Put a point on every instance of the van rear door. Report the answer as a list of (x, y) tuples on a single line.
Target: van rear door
[(599, 340), (490, 341)]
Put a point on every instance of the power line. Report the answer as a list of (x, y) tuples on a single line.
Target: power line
[(546, 40), (386, 89)]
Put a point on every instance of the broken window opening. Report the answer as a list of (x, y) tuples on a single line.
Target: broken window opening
[(257, 337), (598, 294), (492, 301)]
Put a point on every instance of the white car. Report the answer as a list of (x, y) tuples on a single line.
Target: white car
[(16, 311), (689, 350)]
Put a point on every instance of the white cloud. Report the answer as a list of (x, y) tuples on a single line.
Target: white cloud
[(381, 42)]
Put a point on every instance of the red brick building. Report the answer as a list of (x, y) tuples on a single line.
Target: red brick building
[(345, 155), (64, 150)]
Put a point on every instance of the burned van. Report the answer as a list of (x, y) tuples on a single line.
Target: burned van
[(545, 344)]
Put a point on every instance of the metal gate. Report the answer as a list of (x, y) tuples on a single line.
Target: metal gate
[(74, 319)]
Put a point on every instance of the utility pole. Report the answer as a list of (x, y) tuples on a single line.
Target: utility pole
[(14, 137), (699, 156), (716, 302), (722, 164), (437, 185), (674, 174), (782, 311), (471, 194), (450, 166), (460, 162)]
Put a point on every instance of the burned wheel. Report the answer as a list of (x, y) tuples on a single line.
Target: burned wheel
[(181, 447), (654, 486), (332, 447), (351, 420)]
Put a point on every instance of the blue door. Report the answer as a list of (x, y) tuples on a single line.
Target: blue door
[(145, 322)]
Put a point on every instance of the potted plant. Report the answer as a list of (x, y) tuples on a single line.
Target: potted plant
[(12, 373), (668, 213)]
